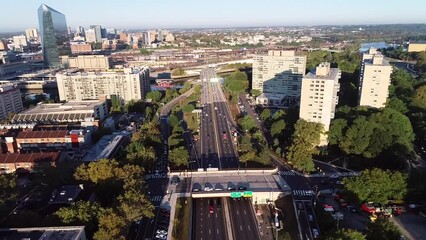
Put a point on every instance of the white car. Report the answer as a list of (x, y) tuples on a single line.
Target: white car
[(315, 233)]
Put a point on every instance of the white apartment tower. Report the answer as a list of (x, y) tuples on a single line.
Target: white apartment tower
[(127, 84), (279, 75), (319, 96), (10, 101), (374, 80)]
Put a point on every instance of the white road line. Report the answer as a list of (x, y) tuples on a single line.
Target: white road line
[(241, 228), (248, 226)]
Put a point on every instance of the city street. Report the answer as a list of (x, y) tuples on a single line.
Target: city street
[(208, 220)]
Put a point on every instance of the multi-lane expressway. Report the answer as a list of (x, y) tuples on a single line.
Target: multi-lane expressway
[(217, 150)]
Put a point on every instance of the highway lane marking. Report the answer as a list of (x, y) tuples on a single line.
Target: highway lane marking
[(241, 228), (248, 226), (217, 231), (238, 213), (210, 231), (245, 213)]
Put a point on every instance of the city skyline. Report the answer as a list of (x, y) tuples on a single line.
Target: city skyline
[(192, 14)]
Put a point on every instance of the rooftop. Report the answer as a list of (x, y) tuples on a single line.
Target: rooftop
[(60, 112), (43, 233), (42, 134), (332, 75), (275, 96), (29, 157), (103, 148)]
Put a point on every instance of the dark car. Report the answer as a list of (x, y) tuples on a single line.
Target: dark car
[(231, 186), (196, 187), (241, 186), (218, 204)]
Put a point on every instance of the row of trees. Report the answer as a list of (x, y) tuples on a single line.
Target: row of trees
[(236, 83), (122, 200), (178, 153)]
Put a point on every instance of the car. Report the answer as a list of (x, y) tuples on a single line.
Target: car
[(211, 208), (196, 187), (315, 232), (218, 187), (242, 187), (300, 206), (161, 232), (310, 218), (175, 180), (231, 186), (208, 187), (218, 204)]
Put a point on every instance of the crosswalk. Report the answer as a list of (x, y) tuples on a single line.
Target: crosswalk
[(153, 176), (303, 193), (155, 198), (286, 173)]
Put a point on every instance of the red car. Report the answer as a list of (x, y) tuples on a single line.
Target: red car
[(211, 209), (368, 208)]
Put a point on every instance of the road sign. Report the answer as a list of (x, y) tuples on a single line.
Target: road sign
[(236, 194), (248, 194)]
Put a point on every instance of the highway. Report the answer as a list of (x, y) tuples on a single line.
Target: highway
[(206, 225), (217, 149), (244, 224)]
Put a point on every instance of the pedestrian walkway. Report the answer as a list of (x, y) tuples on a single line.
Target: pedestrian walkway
[(286, 173), (155, 198), (303, 193)]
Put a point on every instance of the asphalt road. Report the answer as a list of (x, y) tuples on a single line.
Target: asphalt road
[(217, 149), (206, 225), (243, 220)]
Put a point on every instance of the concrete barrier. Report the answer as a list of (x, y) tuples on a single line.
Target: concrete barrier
[(226, 172)]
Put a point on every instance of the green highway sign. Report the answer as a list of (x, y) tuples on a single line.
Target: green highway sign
[(236, 194), (248, 194)]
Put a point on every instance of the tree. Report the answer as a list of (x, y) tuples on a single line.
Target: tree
[(173, 120), (148, 113), (345, 234), (277, 128), (155, 96), (377, 186), (266, 114), (247, 123), (398, 105), (111, 226), (95, 172), (179, 156), (305, 139), (81, 212), (188, 108), (236, 82), (135, 205), (140, 154), (145, 52), (419, 97), (337, 128), (116, 104), (255, 93), (357, 137), (178, 72), (382, 229)]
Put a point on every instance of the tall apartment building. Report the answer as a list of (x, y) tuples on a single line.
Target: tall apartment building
[(19, 42), (98, 32), (319, 96), (127, 84), (278, 75), (374, 80), (10, 101), (87, 62), (90, 35), (53, 30)]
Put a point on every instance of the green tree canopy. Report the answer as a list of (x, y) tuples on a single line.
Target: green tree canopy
[(155, 96), (305, 139), (419, 97), (173, 120), (188, 108), (382, 229), (179, 156), (236, 82), (95, 172), (111, 226), (178, 72), (80, 212), (247, 123), (255, 92), (140, 154), (266, 114), (277, 128), (345, 234), (377, 186)]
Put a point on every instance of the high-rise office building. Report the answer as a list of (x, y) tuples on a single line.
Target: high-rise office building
[(31, 33), (278, 76), (98, 32), (53, 30), (127, 84), (80, 31), (374, 80), (319, 96), (90, 35), (10, 101)]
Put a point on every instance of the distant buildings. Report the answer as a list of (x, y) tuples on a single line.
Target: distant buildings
[(374, 80), (20, 42), (11, 162), (31, 33), (81, 48), (87, 62), (90, 35), (319, 96), (417, 46), (127, 84), (53, 30), (278, 76), (97, 29), (10, 101)]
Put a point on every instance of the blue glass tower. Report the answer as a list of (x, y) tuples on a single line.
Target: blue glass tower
[(53, 31)]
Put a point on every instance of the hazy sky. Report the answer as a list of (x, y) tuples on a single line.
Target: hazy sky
[(18, 15)]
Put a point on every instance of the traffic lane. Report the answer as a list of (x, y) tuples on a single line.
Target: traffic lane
[(311, 216), (209, 226), (245, 226), (147, 227), (237, 221), (228, 146), (303, 220)]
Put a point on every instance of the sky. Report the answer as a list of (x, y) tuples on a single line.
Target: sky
[(18, 15)]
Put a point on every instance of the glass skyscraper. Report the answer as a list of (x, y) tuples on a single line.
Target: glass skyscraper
[(53, 30)]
